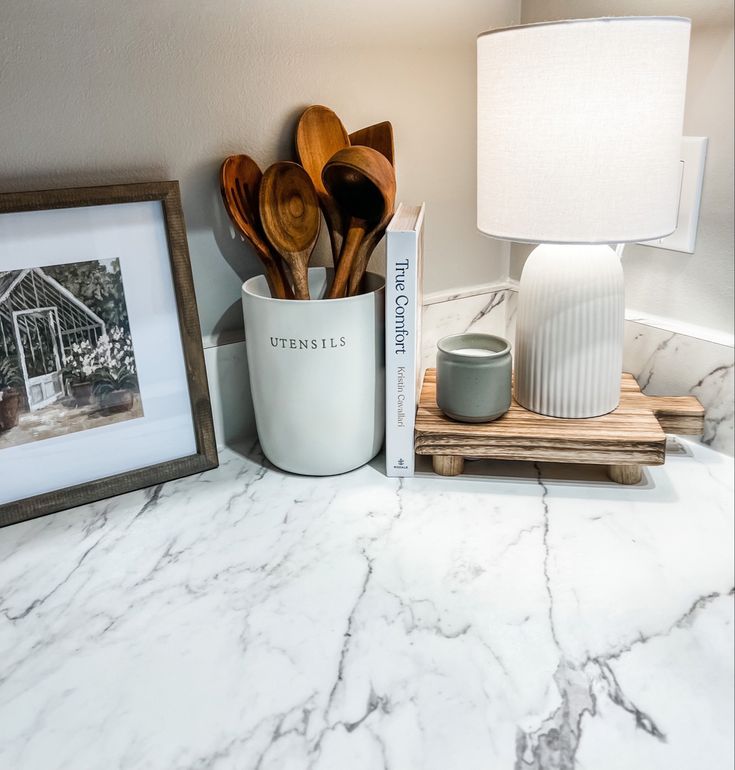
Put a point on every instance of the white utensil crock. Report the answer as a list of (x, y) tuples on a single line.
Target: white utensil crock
[(317, 374)]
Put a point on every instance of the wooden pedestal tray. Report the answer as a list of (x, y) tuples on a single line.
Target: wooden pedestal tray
[(624, 440)]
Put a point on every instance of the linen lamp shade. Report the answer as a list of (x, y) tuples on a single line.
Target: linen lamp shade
[(579, 129), (578, 146)]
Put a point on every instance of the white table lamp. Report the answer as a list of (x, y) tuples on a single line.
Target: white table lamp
[(579, 127)]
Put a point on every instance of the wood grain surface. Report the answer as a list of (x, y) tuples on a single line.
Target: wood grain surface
[(379, 137), (240, 181), (289, 213), (363, 184), (634, 434), (319, 134)]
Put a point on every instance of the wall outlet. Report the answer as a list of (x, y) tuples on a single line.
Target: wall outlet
[(684, 238)]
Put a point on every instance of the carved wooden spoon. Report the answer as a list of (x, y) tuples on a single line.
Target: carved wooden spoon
[(379, 137), (240, 180), (289, 210), (319, 134), (363, 184)]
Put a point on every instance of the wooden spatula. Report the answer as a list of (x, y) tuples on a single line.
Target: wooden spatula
[(379, 137)]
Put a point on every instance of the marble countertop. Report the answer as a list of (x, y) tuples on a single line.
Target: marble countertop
[(249, 619)]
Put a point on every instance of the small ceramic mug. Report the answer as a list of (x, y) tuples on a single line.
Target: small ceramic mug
[(473, 377)]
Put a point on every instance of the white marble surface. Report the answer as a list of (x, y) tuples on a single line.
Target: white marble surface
[(248, 619)]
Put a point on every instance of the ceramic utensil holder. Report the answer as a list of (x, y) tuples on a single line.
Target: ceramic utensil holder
[(317, 374)]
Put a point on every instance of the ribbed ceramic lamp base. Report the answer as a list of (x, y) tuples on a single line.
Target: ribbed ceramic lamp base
[(569, 333)]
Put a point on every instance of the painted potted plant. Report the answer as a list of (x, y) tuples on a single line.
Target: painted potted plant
[(115, 379), (79, 370), (115, 388), (10, 395)]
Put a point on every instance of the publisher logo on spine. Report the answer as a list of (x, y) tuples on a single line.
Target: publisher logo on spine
[(308, 343)]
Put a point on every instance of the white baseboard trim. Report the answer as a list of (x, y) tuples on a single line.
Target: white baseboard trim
[(448, 295), (665, 323), (220, 339), (680, 327)]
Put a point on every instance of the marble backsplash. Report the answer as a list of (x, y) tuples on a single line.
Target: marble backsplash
[(668, 363), (664, 363), (486, 312)]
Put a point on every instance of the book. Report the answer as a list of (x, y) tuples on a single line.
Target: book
[(403, 308)]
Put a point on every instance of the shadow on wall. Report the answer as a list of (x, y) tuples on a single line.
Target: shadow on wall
[(62, 178), (229, 385)]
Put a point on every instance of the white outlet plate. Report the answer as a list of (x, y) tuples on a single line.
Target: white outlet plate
[(684, 238)]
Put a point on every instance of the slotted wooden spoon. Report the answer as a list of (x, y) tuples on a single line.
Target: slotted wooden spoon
[(240, 181), (319, 134), (289, 211), (363, 183)]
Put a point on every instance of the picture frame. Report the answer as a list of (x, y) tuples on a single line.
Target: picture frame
[(96, 286)]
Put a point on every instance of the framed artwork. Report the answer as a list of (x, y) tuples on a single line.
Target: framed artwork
[(102, 381)]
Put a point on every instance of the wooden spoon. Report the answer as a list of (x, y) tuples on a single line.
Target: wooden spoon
[(240, 180), (289, 210), (379, 137), (319, 134), (363, 184)]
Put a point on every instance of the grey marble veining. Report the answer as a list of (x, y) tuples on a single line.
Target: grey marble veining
[(484, 312), (245, 618), (668, 363), (664, 362)]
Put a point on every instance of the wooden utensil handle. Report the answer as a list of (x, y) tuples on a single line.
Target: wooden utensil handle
[(350, 247), (278, 283), (274, 272), (360, 263), (333, 219), (300, 284)]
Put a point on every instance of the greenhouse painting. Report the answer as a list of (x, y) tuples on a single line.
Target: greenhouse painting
[(66, 354)]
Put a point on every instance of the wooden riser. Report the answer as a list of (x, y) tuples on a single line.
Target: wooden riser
[(631, 436)]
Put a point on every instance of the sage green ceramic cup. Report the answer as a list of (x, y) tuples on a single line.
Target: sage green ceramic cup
[(473, 377)]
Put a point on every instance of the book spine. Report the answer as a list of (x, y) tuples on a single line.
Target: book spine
[(401, 330)]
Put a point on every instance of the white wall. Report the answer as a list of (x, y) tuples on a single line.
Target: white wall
[(689, 288), (102, 91)]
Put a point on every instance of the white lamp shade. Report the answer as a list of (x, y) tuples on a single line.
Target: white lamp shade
[(579, 127)]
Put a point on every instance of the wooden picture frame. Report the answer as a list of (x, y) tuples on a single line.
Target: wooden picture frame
[(201, 433)]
